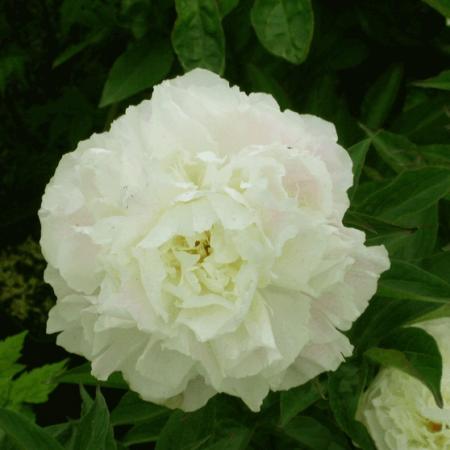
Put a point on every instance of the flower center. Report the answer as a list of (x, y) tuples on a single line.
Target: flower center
[(434, 427), (203, 247), (194, 266)]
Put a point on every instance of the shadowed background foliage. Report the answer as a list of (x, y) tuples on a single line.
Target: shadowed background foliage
[(379, 70)]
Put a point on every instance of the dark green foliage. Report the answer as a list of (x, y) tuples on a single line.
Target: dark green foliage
[(24, 433), (379, 70)]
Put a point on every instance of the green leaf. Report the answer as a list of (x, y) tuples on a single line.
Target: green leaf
[(226, 6), (64, 433), (25, 434), (347, 53), (10, 352), (426, 121), (413, 351), (377, 231), (132, 409), (284, 27), (438, 313), (198, 37), (140, 67), (87, 13), (381, 97), (399, 153), (410, 192), (296, 400), (422, 242), (77, 48), (440, 81), (435, 153), (442, 6), (438, 264), (86, 400), (13, 66), (82, 375), (5, 387), (344, 390), (358, 154), (413, 238), (36, 385), (383, 316), (408, 281), (94, 431), (395, 150), (314, 435), (147, 431), (237, 438), (187, 430)]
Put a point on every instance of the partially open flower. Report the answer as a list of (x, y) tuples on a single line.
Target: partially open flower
[(198, 246), (401, 413)]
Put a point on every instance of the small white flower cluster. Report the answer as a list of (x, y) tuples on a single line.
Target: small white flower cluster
[(401, 413), (198, 246)]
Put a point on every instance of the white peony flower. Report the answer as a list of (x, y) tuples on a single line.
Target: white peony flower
[(198, 246), (400, 412)]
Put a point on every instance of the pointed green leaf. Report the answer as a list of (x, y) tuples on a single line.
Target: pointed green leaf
[(435, 153), (440, 81), (77, 48), (147, 431), (10, 352), (187, 430), (36, 385), (237, 438), (415, 352), (410, 192), (284, 27), (94, 431), (422, 241), (132, 409), (314, 435), (400, 153), (383, 316), (358, 154), (381, 97), (442, 6), (296, 400), (374, 228), (198, 37), (64, 433), (408, 281), (395, 150), (140, 67), (438, 313), (226, 6), (86, 400), (438, 264), (425, 122)]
